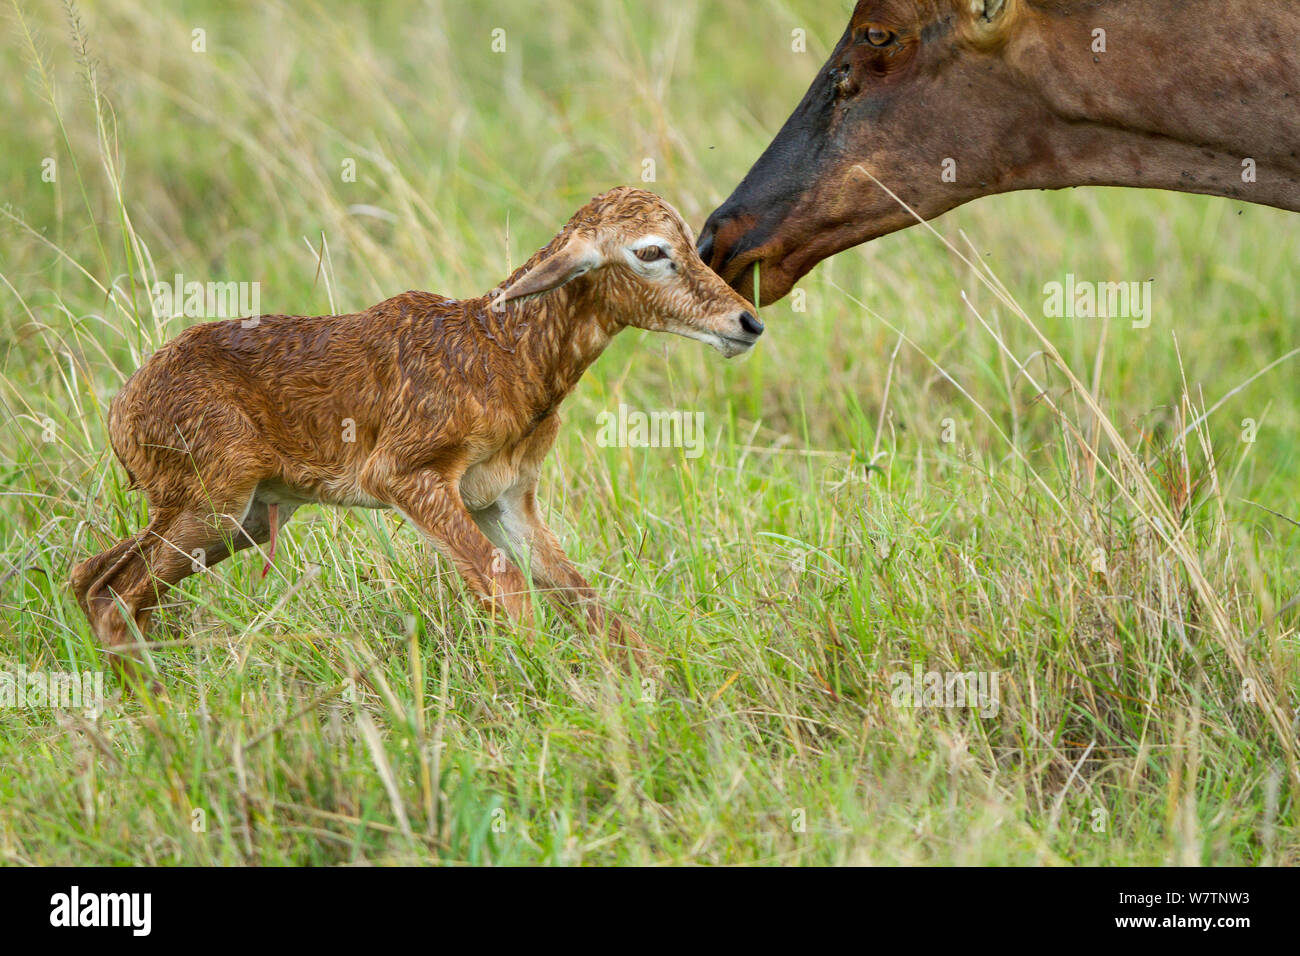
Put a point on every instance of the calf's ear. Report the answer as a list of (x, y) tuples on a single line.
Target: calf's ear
[(574, 258)]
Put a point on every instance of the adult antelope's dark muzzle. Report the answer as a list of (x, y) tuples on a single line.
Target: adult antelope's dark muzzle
[(747, 234)]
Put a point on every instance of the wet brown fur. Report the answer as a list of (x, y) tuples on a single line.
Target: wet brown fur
[(451, 407)]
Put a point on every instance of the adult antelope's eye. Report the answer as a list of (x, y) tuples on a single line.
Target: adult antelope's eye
[(878, 36), (650, 253)]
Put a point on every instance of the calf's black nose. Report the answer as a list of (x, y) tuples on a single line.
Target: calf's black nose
[(749, 322)]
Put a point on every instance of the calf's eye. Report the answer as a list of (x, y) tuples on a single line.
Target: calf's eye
[(650, 253), (878, 36)]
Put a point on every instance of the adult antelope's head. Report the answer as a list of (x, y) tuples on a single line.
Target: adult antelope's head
[(942, 101)]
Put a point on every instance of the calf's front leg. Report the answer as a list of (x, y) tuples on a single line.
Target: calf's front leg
[(514, 524), (433, 504)]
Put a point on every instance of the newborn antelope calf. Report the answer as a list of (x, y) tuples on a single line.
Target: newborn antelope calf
[(438, 408)]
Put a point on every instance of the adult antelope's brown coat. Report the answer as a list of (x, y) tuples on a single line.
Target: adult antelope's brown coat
[(441, 409), (1193, 95)]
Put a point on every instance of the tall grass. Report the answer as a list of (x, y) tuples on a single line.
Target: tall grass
[(921, 469)]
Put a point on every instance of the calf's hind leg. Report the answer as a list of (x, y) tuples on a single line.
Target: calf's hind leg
[(87, 576), (136, 573), (259, 525)]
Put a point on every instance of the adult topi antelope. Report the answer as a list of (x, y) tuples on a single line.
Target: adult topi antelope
[(943, 101), (438, 408)]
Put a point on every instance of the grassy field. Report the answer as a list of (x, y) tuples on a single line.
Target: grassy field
[(919, 472)]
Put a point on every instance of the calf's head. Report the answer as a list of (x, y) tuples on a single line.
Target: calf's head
[(642, 270)]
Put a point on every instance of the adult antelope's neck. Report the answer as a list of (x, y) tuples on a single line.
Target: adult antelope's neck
[(1193, 95)]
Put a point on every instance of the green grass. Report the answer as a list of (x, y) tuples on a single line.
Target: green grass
[(354, 707)]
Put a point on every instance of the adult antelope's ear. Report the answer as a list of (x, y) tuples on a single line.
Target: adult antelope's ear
[(574, 258)]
